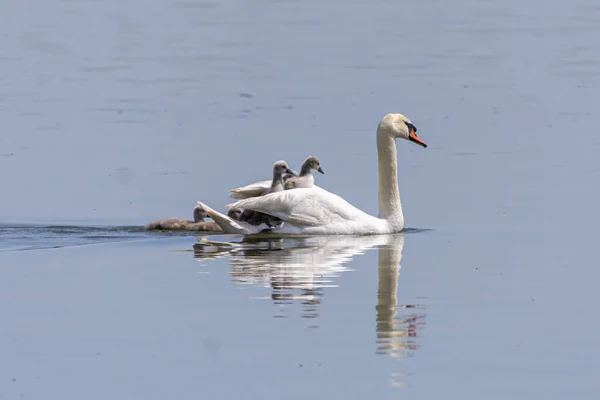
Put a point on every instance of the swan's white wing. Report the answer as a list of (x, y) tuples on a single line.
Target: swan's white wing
[(252, 190), (229, 225), (309, 207)]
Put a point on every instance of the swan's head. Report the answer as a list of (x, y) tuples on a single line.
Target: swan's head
[(399, 126), (199, 213), (281, 167), (312, 163)]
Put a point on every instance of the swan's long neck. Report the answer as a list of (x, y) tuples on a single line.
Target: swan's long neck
[(390, 207)]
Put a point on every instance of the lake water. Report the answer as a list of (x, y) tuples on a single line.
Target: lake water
[(117, 113)]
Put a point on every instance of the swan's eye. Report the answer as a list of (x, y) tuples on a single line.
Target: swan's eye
[(411, 127)]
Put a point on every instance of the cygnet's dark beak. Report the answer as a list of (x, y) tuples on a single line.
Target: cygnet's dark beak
[(289, 171), (321, 170)]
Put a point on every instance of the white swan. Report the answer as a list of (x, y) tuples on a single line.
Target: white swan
[(316, 211)]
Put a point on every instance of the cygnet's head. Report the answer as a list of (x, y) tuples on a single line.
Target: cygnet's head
[(399, 126), (313, 163), (234, 213), (281, 167), (199, 213)]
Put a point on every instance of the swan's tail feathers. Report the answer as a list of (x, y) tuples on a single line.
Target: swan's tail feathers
[(227, 224)]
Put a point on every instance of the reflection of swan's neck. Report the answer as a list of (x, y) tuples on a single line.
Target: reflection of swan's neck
[(387, 289), (390, 207), (388, 264), (390, 331)]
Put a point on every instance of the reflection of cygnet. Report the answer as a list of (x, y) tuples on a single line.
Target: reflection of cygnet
[(198, 225), (306, 178)]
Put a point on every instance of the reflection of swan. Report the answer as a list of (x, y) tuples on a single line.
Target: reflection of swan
[(315, 211), (295, 269), (298, 269)]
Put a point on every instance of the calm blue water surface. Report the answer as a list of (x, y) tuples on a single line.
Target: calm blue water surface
[(117, 113)]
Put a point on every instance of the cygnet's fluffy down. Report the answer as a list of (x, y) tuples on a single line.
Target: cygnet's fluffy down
[(198, 225), (280, 168), (305, 179)]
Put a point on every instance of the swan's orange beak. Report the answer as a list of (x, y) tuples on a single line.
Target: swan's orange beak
[(414, 138)]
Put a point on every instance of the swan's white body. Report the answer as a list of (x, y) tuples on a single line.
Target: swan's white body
[(315, 211), (253, 190)]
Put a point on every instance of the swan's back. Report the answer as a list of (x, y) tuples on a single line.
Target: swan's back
[(305, 206)]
